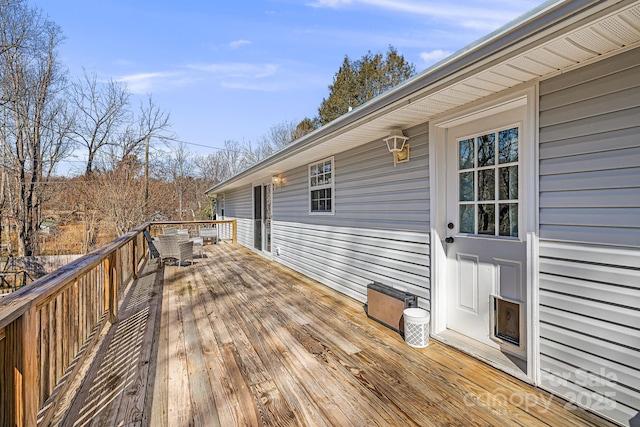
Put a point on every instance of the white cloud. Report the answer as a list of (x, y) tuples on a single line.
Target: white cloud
[(434, 55), (148, 82), (250, 85), (286, 77), (246, 76), (237, 69), (329, 3), (465, 14), (237, 43), (241, 76)]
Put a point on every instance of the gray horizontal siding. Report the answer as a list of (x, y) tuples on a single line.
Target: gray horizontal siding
[(590, 153), (369, 191), (347, 259), (239, 206), (590, 236), (244, 232), (238, 203), (380, 229), (590, 326)]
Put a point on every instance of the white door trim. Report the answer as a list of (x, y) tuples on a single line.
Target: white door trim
[(261, 183), (438, 135)]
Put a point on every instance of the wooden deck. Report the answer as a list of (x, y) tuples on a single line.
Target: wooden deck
[(237, 340)]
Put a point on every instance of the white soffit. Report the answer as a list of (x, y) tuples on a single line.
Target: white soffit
[(602, 36)]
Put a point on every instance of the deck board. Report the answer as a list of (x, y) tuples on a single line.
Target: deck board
[(235, 339), (179, 405)]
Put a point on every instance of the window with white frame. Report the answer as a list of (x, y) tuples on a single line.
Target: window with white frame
[(321, 179), (489, 200)]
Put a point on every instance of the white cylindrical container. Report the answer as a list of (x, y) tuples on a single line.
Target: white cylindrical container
[(416, 327)]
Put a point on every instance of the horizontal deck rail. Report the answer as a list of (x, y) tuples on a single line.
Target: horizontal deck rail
[(227, 230), (47, 327)]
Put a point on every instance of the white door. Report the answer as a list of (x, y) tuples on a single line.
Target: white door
[(485, 246)]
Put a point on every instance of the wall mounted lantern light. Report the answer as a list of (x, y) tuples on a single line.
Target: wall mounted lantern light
[(276, 181), (396, 143)]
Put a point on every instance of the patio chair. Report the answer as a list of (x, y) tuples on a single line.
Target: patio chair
[(198, 245), (169, 231), (198, 242), (209, 233), (170, 247)]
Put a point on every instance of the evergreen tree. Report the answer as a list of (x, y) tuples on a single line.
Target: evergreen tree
[(342, 93), (356, 82), (304, 127)]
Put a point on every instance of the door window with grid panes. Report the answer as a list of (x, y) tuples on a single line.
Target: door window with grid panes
[(488, 195)]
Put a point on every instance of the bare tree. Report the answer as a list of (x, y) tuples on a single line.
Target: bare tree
[(30, 81), (102, 110), (179, 169), (114, 138), (281, 135), (121, 191), (237, 156), (151, 123), (278, 137), (211, 168), (12, 24), (234, 156)]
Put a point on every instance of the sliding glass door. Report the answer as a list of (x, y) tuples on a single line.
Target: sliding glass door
[(262, 217)]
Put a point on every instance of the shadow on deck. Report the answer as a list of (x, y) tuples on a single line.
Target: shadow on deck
[(235, 339)]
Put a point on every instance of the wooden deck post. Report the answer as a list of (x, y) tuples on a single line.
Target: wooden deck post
[(235, 231), (19, 376), (9, 393), (30, 366)]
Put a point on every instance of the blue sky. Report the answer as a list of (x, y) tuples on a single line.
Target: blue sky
[(232, 69)]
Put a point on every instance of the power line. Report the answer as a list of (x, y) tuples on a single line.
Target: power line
[(198, 145), (206, 146), (71, 161), (195, 144), (43, 182), (187, 143)]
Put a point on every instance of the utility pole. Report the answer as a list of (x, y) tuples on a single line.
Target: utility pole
[(146, 176)]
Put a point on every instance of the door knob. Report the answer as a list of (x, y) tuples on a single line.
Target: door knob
[(449, 240)]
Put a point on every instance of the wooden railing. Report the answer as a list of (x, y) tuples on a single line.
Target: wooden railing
[(227, 230), (48, 328)]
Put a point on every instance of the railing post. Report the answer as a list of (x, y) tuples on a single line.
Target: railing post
[(235, 231), (18, 373), (145, 245), (111, 286), (134, 258), (30, 366)]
